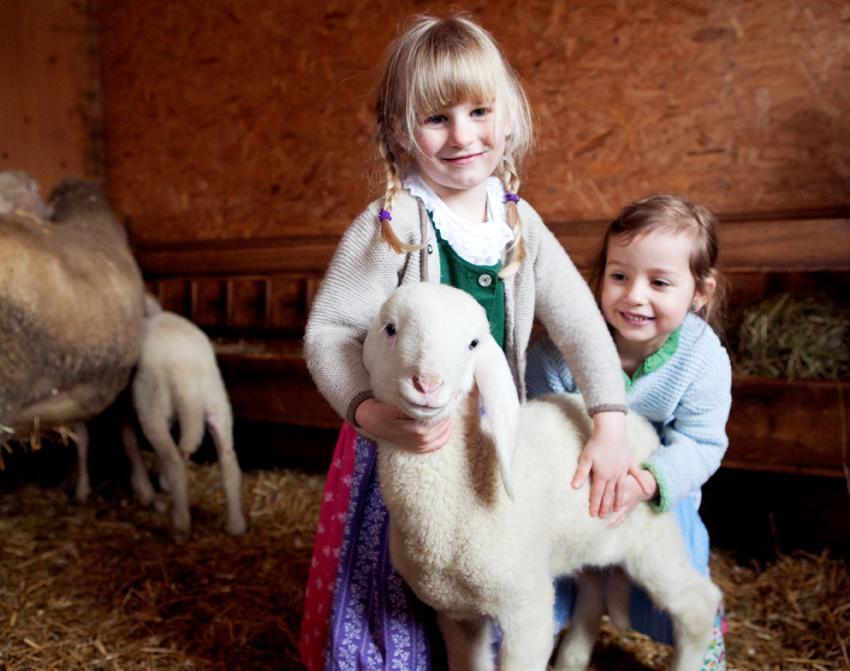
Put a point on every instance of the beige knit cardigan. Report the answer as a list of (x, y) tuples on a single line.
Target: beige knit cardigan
[(364, 271)]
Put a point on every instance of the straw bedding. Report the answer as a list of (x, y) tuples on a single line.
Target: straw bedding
[(102, 586), (794, 337)]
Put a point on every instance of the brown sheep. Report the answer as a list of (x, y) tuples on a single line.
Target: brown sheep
[(71, 310)]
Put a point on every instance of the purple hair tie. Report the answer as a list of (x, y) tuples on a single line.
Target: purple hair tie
[(384, 215), (511, 197)]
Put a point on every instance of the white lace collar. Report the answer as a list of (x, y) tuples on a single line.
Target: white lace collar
[(479, 243)]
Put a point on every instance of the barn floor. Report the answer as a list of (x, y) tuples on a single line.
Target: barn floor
[(102, 586)]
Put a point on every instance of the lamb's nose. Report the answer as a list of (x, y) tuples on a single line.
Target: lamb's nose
[(427, 384)]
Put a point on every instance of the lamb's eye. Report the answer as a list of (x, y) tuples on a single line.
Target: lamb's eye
[(390, 329), (473, 344)]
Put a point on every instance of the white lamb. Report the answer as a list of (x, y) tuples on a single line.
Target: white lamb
[(480, 527), (178, 380)]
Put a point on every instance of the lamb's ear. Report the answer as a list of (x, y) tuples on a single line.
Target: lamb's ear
[(498, 397)]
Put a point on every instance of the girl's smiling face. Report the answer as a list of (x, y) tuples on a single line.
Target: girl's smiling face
[(647, 289), (460, 146)]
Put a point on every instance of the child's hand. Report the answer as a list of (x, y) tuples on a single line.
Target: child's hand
[(634, 491), (608, 456), (389, 423)]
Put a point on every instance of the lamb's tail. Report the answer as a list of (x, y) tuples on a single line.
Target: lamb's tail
[(191, 414)]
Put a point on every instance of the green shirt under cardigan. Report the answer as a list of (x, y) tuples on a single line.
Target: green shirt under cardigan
[(481, 282)]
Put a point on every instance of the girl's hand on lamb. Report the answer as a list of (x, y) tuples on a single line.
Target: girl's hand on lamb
[(386, 422), (607, 458), (635, 490)]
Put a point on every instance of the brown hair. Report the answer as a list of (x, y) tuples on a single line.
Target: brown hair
[(663, 211), (438, 63)]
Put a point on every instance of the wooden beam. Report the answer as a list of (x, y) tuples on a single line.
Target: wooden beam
[(788, 426), (746, 246)]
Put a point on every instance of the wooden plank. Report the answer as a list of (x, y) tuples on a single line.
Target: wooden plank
[(50, 103), (760, 245), (275, 389), (746, 246), (237, 257), (789, 426), (263, 306), (781, 426), (797, 245)]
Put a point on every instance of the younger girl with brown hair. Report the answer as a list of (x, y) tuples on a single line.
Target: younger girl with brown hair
[(660, 291)]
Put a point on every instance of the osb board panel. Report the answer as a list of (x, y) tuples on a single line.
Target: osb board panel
[(49, 114), (251, 118)]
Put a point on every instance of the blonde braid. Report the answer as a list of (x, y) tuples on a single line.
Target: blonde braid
[(516, 250), (393, 188)]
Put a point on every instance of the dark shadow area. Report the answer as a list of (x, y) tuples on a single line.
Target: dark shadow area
[(762, 515)]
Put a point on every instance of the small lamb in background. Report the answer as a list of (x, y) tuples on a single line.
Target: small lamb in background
[(178, 380)]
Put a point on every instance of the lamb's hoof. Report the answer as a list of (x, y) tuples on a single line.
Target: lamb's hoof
[(160, 505), (163, 483), (144, 495), (82, 493), (182, 536), (236, 527), (145, 500)]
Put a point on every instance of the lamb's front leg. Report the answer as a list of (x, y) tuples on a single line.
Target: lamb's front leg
[(467, 643), (528, 631)]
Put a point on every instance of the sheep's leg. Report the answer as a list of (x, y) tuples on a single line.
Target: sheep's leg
[(174, 468), (528, 632), (138, 473), (618, 592), (231, 475), (81, 440), (467, 643), (577, 645), (690, 598)]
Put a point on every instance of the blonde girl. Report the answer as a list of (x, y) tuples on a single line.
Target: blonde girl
[(452, 126), (661, 293)]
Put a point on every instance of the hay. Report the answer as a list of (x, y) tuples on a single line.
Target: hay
[(795, 337), (102, 586), (793, 613)]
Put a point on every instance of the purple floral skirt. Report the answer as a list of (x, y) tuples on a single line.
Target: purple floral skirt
[(376, 622)]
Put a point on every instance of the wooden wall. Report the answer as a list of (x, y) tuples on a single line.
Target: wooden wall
[(237, 139), (239, 131), (49, 90), (251, 118)]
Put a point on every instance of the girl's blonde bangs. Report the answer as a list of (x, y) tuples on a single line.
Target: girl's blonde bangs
[(452, 79)]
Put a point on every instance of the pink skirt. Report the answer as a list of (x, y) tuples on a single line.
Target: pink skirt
[(319, 593)]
